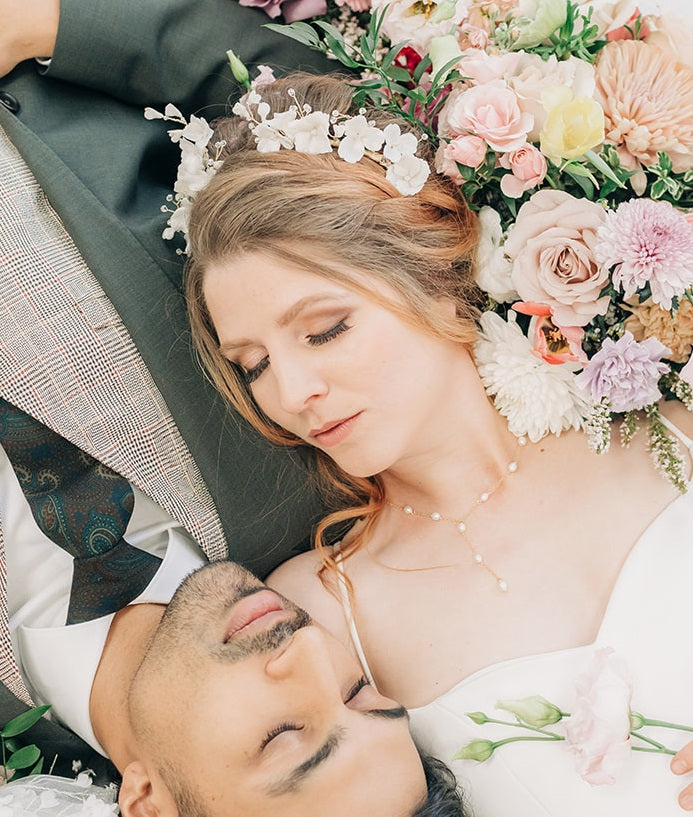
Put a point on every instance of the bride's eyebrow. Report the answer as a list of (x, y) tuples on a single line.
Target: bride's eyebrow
[(305, 303), (232, 346)]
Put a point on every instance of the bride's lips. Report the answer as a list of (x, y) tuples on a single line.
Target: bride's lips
[(333, 432), (255, 614)]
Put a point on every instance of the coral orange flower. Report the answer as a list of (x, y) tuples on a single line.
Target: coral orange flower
[(554, 344)]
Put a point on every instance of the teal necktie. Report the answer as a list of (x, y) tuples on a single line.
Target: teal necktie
[(84, 507)]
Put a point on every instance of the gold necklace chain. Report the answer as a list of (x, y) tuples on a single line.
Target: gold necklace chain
[(462, 522)]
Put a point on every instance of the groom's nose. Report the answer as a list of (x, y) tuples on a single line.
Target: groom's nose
[(307, 660)]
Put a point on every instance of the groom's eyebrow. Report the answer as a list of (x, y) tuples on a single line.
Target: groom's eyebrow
[(298, 775)]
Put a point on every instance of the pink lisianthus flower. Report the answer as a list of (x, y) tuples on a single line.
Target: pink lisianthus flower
[(598, 730), (528, 166), (647, 242), (491, 112), (625, 373), (554, 344)]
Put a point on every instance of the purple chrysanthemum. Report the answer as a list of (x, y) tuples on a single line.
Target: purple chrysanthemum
[(647, 242), (626, 373)]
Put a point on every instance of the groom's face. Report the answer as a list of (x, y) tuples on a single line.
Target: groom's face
[(243, 706)]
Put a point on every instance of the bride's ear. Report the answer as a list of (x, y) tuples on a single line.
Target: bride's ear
[(142, 796)]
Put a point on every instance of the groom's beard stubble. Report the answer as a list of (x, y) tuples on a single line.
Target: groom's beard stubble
[(267, 640)]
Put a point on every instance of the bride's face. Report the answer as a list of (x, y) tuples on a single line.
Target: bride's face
[(329, 364)]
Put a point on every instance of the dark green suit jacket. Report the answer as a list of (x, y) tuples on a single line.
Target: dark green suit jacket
[(106, 171)]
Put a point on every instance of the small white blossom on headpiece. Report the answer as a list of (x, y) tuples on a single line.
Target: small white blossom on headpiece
[(307, 131), (196, 168)]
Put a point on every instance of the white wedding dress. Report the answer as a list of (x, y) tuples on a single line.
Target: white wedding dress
[(649, 623)]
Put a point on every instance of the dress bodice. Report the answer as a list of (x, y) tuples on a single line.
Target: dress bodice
[(646, 624)]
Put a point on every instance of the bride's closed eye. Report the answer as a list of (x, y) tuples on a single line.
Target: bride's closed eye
[(252, 374)]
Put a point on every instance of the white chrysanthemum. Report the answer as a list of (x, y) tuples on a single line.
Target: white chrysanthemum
[(398, 144), (537, 398), (408, 175), (358, 137), (493, 270), (311, 133)]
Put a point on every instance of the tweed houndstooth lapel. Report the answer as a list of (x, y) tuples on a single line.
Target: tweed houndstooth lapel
[(67, 359)]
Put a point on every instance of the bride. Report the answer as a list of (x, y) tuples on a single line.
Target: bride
[(338, 315)]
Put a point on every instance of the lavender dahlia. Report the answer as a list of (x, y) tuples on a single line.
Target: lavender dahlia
[(625, 373)]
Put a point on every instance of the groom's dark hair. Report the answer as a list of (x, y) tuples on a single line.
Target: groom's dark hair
[(444, 797)]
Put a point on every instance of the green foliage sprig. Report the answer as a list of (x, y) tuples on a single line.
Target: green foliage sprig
[(21, 760)]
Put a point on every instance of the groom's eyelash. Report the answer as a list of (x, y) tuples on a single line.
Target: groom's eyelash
[(297, 727), (251, 375)]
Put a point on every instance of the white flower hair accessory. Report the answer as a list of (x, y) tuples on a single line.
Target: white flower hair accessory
[(196, 168), (304, 130)]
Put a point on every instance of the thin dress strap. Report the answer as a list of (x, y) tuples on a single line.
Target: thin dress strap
[(349, 616)]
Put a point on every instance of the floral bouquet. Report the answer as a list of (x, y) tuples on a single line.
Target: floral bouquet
[(568, 126)]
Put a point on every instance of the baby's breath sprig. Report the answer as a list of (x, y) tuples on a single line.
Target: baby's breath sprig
[(679, 388), (629, 428), (665, 449), (598, 427)]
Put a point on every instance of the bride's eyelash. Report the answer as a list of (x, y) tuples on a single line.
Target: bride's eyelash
[(273, 733), (324, 337), (251, 375)]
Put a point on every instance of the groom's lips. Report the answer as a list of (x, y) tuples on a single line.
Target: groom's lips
[(254, 614)]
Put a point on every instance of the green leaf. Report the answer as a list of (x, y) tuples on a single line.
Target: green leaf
[(38, 768), (301, 32), (391, 55), (337, 48), (399, 74), (442, 75), (421, 69), (23, 758), (584, 181), (23, 722), (597, 162)]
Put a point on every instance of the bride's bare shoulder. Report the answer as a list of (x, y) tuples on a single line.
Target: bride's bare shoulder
[(298, 580), (679, 415)]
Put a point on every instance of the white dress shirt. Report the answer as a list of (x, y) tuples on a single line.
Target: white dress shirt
[(59, 662)]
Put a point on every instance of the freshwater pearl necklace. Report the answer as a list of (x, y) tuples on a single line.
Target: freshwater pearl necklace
[(461, 524)]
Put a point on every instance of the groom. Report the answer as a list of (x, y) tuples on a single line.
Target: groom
[(233, 702), (93, 337)]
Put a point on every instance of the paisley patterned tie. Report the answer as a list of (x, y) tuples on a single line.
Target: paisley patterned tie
[(84, 507)]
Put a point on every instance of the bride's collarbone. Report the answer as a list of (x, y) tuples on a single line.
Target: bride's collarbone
[(560, 544)]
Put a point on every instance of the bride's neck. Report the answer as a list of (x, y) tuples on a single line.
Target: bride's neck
[(467, 452)]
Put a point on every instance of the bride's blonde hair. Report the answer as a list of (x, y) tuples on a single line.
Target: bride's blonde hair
[(329, 217)]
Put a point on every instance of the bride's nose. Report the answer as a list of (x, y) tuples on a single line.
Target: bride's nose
[(298, 382)]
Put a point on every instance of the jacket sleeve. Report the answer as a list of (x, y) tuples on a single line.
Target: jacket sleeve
[(149, 52)]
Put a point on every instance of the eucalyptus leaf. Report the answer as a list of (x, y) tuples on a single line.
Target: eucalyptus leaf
[(23, 758), (24, 721), (301, 32)]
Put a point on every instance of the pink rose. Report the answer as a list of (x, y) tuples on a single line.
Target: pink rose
[(553, 344), (468, 150), (446, 165), (598, 730), (551, 249), (491, 112), (292, 10), (528, 167)]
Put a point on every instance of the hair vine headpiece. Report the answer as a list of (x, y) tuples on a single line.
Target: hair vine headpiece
[(304, 130)]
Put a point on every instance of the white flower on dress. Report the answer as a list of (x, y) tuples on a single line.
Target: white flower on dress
[(535, 397), (408, 175), (357, 136), (311, 133), (95, 807), (398, 144), (493, 269)]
